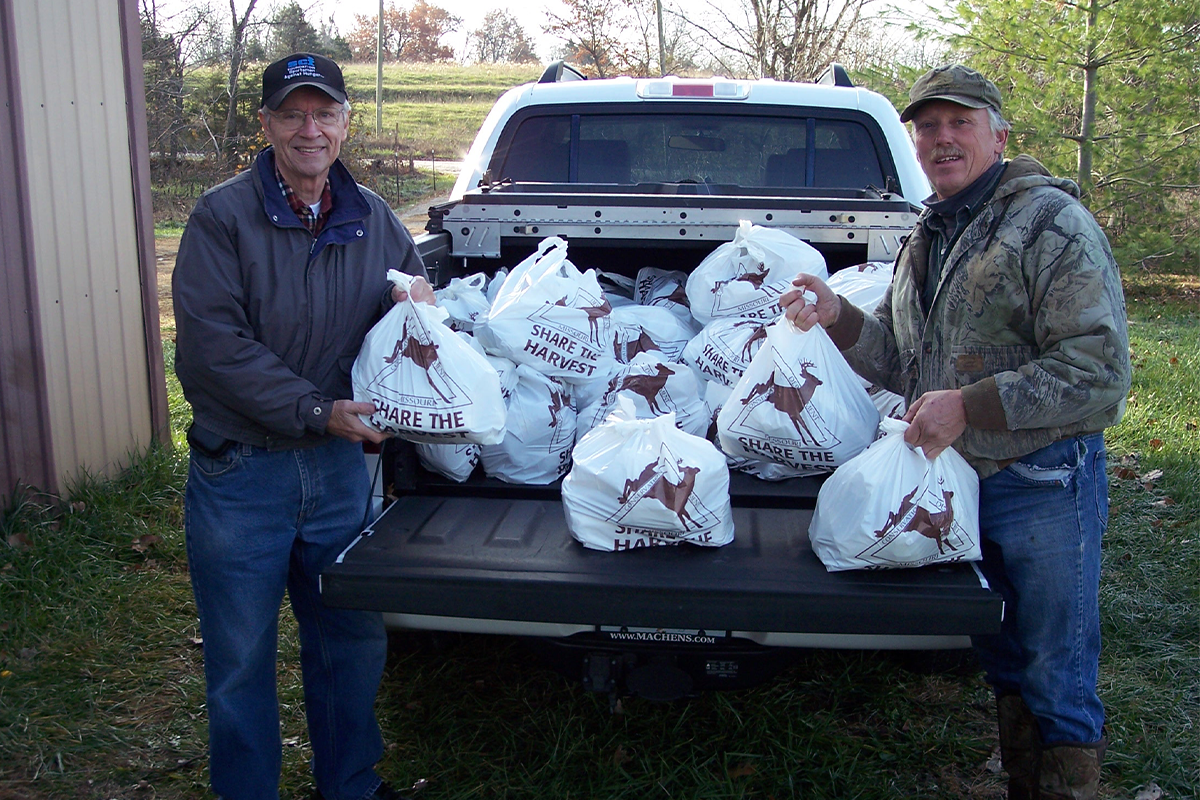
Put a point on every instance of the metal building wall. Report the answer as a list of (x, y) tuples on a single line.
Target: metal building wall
[(25, 452), (86, 206)]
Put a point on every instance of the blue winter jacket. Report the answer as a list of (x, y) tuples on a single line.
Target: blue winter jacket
[(270, 319)]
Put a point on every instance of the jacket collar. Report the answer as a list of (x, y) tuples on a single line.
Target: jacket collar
[(349, 205)]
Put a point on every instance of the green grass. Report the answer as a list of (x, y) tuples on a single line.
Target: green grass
[(430, 107), (101, 684)]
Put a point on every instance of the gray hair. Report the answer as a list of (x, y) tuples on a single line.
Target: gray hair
[(997, 122)]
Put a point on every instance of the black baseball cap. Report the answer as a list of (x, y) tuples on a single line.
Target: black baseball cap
[(301, 69)]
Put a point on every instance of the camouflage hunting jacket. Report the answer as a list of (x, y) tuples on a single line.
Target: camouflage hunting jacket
[(1028, 320)]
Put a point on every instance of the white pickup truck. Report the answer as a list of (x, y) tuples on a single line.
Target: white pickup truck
[(658, 172)]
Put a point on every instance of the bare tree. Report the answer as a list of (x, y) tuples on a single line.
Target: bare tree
[(592, 31), (501, 39), (237, 43), (642, 55), (172, 44), (787, 40)]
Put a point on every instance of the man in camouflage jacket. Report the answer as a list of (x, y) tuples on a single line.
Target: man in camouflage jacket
[(1004, 329)]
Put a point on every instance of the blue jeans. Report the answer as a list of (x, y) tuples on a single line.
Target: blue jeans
[(1041, 521), (257, 523)]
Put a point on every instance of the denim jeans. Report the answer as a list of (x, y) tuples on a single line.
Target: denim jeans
[(1041, 521), (257, 523)]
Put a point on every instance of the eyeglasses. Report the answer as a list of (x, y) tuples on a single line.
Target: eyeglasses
[(292, 119)]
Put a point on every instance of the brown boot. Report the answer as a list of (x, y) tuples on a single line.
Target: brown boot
[(1020, 743), (1071, 771)]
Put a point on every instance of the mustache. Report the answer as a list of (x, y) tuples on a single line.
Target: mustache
[(946, 152)]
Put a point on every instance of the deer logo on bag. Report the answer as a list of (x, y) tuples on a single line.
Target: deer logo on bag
[(759, 335), (594, 313), (934, 525), (625, 351), (653, 483), (755, 279), (919, 514), (423, 354), (791, 401), (648, 386), (678, 295), (556, 405)]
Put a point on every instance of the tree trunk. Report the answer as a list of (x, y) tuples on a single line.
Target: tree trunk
[(236, 46), (1087, 125)]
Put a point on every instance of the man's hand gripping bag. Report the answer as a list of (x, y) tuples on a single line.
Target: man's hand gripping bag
[(798, 403), (427, 384), (643, 482), (550, 316), (892, 507)]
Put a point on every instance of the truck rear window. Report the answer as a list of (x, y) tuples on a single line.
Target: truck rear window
[(740, 150)]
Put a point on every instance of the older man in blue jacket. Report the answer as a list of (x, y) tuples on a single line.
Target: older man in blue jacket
[(281, 272)]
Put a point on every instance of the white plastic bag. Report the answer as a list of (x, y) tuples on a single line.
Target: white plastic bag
[(665, 289), (550, 316), (617, 288), (724, 348), (455, 461), (640, 483), (715, 395), (654, 387), (464, 301), (888, 403), (864, 285), (745, 277), (539, 433), (890, 506), (426, 383), (637, 329), (798, 404), (494, 284)]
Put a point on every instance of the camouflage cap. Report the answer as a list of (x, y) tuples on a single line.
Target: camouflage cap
[(955, 83)]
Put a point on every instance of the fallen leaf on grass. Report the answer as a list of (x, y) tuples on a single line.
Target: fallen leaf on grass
[(1153, 475), (19, 541), (1172, 360), (79, 506), (145, 542), (621, 756), (994, 764), (742, 770), (195, 641), (1152, 791), (1158, 523), (1166, 501), (1156, 444), (1125, 473)]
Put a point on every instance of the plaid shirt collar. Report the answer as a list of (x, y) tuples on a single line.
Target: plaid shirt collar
[(314, 222)]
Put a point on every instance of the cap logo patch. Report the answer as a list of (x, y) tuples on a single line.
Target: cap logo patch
[(301, 68)]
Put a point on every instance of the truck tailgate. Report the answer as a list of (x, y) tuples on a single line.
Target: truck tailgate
[(481, 551)]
